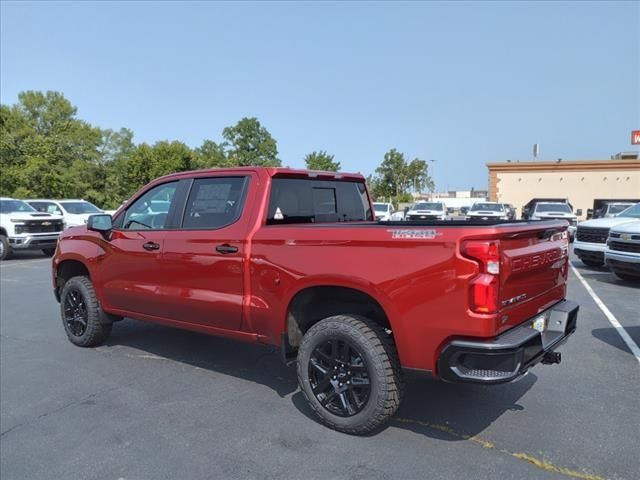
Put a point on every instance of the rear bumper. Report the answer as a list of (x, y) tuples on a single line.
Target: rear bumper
[(510, 355)]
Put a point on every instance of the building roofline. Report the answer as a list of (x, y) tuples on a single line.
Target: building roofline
[(564, 165)]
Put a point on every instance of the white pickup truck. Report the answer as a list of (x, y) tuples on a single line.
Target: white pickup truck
[(591, 236), (622, 255), (24, 228)]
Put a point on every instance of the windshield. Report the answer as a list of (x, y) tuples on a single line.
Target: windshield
[(428, 206), (632, 212), (10, 206), (380, 207), (616, 208), (490, 207), (553, 207), (77, 208)]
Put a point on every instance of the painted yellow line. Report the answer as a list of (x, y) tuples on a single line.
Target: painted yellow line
[(536, 462)]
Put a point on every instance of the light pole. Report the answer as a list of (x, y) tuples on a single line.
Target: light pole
[(433, 166)]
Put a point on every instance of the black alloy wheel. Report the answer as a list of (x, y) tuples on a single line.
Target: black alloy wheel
[(339, 377), (76, 315)]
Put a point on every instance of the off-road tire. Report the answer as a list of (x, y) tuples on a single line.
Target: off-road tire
[(592, 263), (6, 252), (96, 332), (49, 251), (381, 359)]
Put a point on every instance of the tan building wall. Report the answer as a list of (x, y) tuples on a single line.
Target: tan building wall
[(579, 181)]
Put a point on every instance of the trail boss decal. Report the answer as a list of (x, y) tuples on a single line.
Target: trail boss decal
[(405, 234)]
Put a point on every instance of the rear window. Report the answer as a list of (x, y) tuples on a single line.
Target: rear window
[(296, 200)]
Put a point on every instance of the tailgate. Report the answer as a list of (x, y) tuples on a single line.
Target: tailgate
[(533, 272)]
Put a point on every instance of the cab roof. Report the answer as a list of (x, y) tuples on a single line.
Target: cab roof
[(273, 172)]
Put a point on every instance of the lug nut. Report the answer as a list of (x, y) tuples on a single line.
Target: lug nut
[(334, 377), (340, 384)]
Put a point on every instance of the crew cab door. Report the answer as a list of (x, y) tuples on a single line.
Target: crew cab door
[(203, 259), (130, 270)]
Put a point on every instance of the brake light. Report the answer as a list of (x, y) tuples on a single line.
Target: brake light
[(484, 287)]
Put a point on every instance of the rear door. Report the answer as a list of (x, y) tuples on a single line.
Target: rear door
[(130, 270), (203, 259)]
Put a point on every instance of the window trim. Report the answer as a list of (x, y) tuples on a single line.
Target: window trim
[(242, 201)]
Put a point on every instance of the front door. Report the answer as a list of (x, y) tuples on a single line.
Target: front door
[(203, 258), (130, 269)]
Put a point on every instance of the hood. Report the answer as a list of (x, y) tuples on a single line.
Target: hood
[(486, 213), (78, 218), (606, 222), (632, 227), (27, 216), (426, 212), (554, 215)]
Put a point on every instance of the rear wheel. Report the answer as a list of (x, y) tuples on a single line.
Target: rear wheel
[(592, 263), (6, 252), (348, 370), (80, 312), (49, 251)]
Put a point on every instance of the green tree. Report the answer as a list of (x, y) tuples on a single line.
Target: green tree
[(395, 178), (321, 160), (210, 155), (249, 143), (45, 150)]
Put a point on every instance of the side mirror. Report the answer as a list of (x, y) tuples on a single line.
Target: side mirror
[(100, 223), (579, 212), (589, 213)]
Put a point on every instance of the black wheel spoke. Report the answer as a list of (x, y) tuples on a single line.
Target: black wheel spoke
[(338, 377), (75, 313)]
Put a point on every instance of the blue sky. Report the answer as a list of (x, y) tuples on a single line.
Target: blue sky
[(461, 83)]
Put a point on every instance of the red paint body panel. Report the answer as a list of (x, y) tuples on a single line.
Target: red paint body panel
[(421, 279)]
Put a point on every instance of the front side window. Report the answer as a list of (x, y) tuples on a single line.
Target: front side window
[(151, 210), (214, 202), (298, 200)]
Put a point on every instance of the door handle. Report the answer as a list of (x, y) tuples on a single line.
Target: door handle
[(151, 246), (226, 248)]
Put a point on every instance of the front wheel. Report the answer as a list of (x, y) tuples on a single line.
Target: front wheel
[(349, 372), (626, 277), (6, 251), (80, 312)]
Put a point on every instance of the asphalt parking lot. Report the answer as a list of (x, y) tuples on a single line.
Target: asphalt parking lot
[(159, 403)]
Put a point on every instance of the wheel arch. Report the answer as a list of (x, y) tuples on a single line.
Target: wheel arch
[(67, 269), (312, 303)]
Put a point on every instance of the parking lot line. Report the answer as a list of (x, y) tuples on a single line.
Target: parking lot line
[(635, 350)]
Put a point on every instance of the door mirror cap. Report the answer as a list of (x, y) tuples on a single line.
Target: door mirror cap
[(579, 212), (100, 223)]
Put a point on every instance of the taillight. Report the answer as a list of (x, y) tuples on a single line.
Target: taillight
[(484, 287)]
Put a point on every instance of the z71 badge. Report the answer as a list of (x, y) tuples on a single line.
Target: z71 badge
[(404, 234)]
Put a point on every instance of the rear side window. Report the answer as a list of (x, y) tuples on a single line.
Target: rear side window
[(214, 202), (295, 200)]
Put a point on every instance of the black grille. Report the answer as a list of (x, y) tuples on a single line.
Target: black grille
[(618, 235), (592, 235), (422, 217), (625, 247), (37, 226)]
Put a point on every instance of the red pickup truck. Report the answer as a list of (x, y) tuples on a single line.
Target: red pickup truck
[(295, 259)]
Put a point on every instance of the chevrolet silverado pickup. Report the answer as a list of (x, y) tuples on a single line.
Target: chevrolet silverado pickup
[(295, 259), (23, 228)]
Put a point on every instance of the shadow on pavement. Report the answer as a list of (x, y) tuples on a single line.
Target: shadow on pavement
[(466, 409), (610, 335), (447, 411), (254, 362)]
